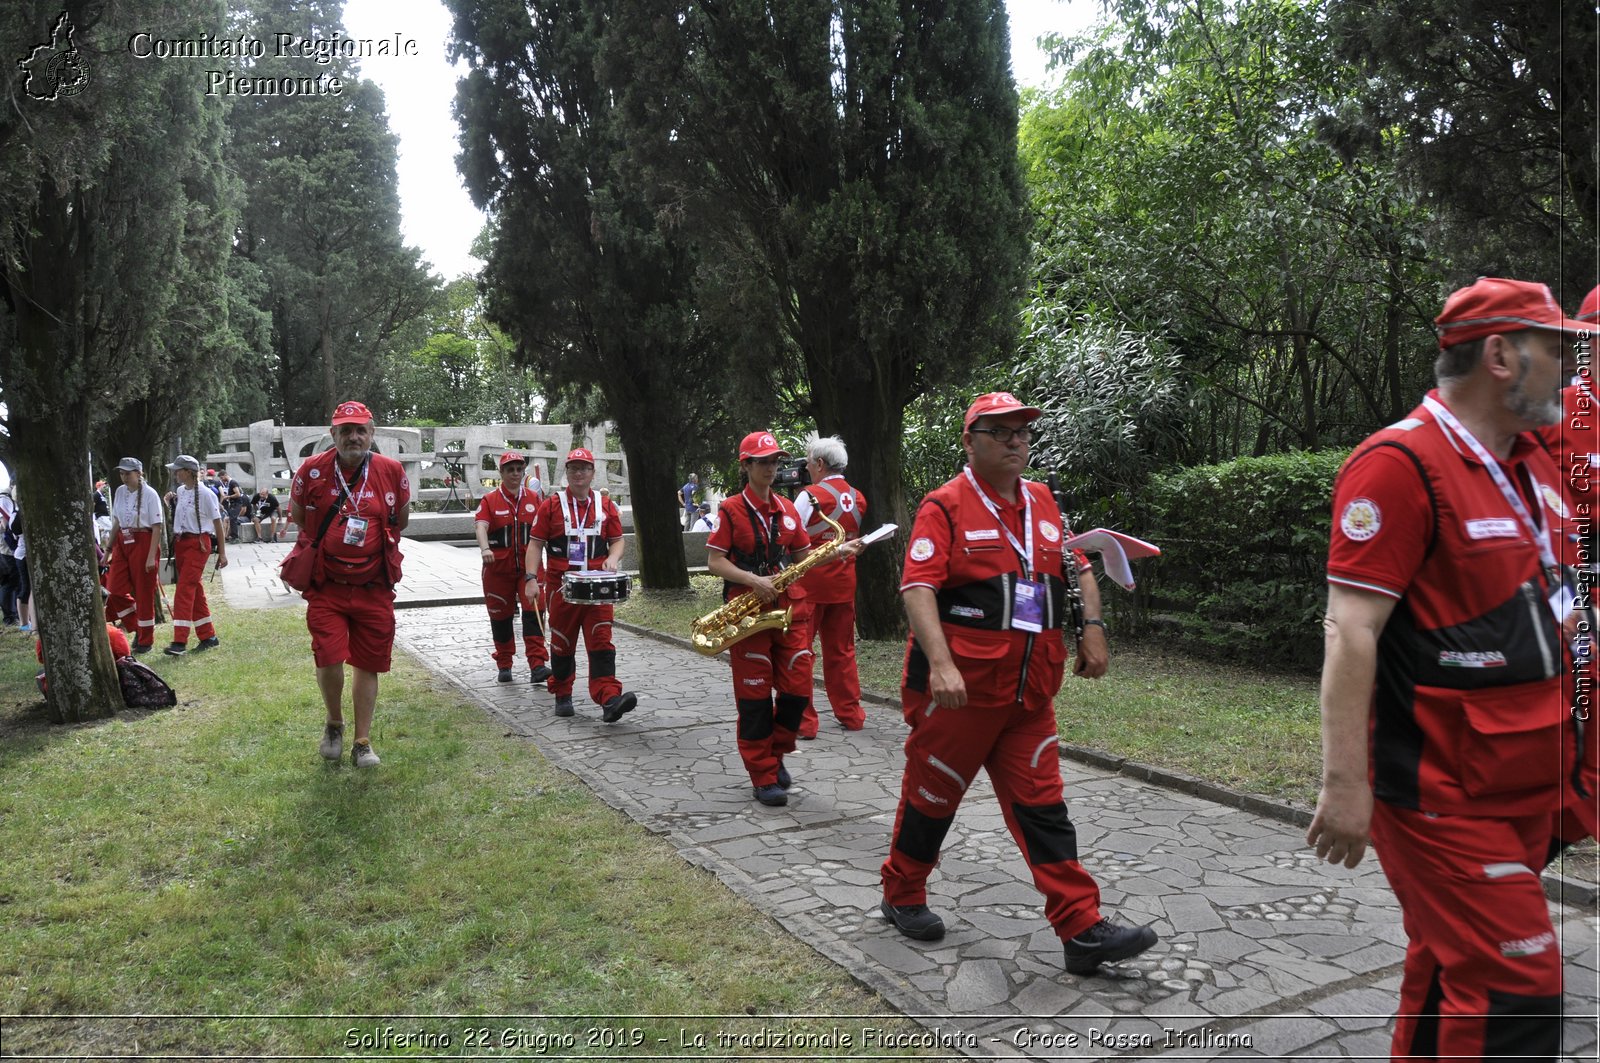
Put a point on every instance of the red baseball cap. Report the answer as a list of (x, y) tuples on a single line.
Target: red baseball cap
[(760, 445), (1495, 305), (1590, 310), (351, 413), (997, 402), (579, 454), (510, 456)]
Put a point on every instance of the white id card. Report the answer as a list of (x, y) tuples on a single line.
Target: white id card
[(355, 531)]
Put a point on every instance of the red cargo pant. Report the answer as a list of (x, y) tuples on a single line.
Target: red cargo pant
[(764, 663), (131, 587), (1483, 966), (566, 621), (834, 624), (504, 592), (190, 609), (1018, 747)]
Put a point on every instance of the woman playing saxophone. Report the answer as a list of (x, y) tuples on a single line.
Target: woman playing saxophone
[(758, 535)]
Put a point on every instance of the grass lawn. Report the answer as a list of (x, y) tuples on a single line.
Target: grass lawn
[(204, 860), (1254, 731)]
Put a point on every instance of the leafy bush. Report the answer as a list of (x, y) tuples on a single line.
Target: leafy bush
[(1244, 549)]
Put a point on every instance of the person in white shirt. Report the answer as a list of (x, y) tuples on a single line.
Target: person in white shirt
[(135, 555), (704, 522), (196, 526)]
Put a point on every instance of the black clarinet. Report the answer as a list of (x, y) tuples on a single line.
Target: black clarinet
[(1069, 562)]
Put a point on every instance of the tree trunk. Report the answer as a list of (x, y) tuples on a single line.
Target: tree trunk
[(49, 436), (872, 424), (653, 483), (59, 523)]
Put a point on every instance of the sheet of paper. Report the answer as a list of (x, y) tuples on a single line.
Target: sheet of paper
[(881, 533), (1115, 550)]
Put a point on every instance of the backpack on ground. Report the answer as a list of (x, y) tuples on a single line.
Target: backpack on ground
[(142, 688)]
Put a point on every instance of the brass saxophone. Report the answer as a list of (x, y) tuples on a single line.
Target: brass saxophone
[(743, 616)]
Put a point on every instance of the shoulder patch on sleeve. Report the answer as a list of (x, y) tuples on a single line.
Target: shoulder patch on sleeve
[(922, 549), (1360, 520)]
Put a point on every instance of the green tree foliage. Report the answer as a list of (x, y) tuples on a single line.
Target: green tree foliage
[(463, 372), (1495, 108), (856, 165), (110, 198), (321, 225), (588, 268), (1183, 192)]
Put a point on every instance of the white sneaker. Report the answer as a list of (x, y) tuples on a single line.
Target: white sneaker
[(362, 756)]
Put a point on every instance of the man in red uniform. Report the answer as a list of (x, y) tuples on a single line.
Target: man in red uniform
[(831, 588), (504, 528), (360, 502), (136, 520), (758, 535), (196, 527), (1442, 682), (985, 586), (578, 528)]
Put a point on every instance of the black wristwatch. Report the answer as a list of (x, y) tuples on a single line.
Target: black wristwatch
[(1101, 624)]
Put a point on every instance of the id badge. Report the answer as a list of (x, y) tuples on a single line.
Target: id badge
[(127, 537), (1027, 610), (355, 531), (575, 555)]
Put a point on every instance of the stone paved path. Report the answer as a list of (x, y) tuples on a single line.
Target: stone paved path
[(1264, 953)]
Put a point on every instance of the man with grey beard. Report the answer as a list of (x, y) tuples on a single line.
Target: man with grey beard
[(1444, 714)]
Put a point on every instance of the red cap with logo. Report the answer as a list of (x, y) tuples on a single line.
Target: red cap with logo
[(1590, 310), (997, 403), (760, 445), (1495, 305), (351, 413), (511, 456), (579, 454)]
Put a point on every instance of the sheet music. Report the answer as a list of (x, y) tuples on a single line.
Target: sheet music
[(1115, 550), (881, 533)]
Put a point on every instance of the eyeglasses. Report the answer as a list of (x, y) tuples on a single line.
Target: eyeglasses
[(1006, 435), (765, 461)]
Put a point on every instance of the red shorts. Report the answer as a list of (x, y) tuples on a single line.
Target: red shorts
[(351, 624)]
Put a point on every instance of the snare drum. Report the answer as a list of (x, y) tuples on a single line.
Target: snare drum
[(594, 588)]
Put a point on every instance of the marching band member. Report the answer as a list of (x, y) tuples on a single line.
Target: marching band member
[(577, 528), (504, 527), (831, 588), (758, 534)]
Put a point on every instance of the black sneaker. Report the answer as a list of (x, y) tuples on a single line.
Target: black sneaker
[(564, 705), (915, 921), (771, 794), (785, 780), (618, 707), (207, 644), (177, 649), (141, 649), (539, 674), (1106, 942), (504, 676)]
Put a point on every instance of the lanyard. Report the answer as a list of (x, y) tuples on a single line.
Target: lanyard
[(1024, 549), (580, 523), (763, 530), (1547, 558), (361, 486)]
